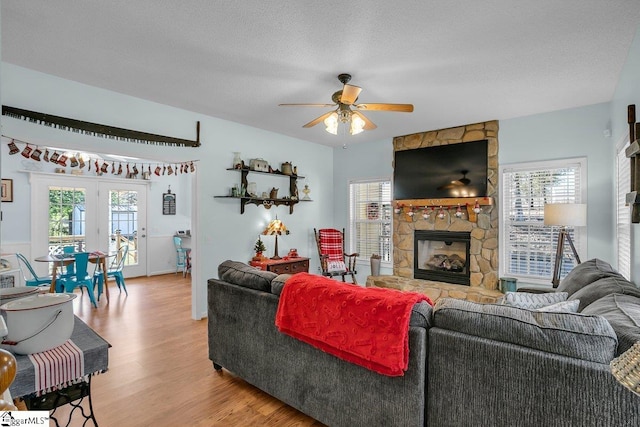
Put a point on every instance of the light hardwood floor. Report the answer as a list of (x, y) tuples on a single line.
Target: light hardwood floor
[(159, 370)]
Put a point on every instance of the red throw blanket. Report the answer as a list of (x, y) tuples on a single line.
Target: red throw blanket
[(366, 326)]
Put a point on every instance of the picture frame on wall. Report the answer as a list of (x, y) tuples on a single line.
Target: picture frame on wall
[(7, 190)]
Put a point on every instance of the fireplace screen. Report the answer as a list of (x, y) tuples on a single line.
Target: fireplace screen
[(442, 256)]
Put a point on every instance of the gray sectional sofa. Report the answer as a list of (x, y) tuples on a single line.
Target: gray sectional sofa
[(470, 364)]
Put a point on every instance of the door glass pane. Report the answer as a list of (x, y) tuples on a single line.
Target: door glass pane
[(66, 218), (123, 223)]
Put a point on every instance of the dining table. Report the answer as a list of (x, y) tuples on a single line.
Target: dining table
[(64, 259)]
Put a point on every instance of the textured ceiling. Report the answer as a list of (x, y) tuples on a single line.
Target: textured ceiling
[(458, 62)]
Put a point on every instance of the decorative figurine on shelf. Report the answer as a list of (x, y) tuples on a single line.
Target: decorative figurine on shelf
[(306, 190), (259, 248)]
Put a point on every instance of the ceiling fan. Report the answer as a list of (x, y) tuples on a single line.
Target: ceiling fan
[(345, 100)]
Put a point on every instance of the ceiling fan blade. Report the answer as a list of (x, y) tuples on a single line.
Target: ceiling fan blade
[(403, 108), (368, 124), (307, 105), (350, 94), (317, 120)]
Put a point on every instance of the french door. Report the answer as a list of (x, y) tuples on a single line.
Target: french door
[(89, 214)]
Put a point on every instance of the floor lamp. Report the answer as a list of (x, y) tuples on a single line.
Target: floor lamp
[(564, 215)]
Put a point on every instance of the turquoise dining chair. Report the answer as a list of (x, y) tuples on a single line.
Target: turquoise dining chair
[(81, 279), (115, 271), (33, 279), (70, 268), (183, 256)]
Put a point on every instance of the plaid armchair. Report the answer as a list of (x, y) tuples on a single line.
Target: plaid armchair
[(333, 260)]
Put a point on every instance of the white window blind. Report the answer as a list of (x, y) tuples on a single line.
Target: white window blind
[(370, 218), (529, 246), (623, 212)]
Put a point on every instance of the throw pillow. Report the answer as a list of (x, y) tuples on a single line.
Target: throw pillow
[(533, 301), (561, 307), (623, 313), (242, 274), (574, 335), (585, 274), (603, 287), (336, 266)]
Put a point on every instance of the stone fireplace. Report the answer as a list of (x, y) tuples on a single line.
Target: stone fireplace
[(479, 221)]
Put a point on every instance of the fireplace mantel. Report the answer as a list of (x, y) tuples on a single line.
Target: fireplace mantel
[(413, 206)]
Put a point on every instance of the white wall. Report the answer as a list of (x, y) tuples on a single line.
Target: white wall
[(219, 231), (577, 132), (359, 161), (628, 92)]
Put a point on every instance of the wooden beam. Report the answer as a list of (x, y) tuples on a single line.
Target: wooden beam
[(95, 129)]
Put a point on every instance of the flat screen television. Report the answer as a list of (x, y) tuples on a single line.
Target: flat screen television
[(443, 171)]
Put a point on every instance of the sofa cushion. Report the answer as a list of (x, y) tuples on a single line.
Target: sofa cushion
[(570, 334), (278, 283), (623, 313), (533, 301), (585, 274), (561, 307), (603, 287), (242, 274)]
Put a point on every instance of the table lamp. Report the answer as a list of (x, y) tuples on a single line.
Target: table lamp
[(277, 228), (626, 368), (564, 215)]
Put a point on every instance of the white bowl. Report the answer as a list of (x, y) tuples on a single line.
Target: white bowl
[(38, 323)]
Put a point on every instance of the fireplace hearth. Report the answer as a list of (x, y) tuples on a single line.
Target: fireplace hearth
[(442, 256)]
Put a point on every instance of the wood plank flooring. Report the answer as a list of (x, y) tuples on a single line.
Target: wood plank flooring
[(159, 370)]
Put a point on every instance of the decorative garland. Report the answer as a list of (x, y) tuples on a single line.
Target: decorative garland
[(100, 166), (95, 129)]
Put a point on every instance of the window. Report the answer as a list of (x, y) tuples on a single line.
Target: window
[(623, 212), (527, 245), (370, 218)]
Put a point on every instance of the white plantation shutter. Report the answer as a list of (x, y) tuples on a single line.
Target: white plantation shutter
[(623, 212), (370, 218), (529, 246)]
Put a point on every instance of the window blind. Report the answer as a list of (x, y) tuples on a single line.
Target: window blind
[(623, 212), (370, 218), (529, 246)]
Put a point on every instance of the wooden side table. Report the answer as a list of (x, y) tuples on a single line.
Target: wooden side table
[(282, 266)]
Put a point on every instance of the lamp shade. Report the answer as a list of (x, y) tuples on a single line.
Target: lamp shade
[(571, 214), (275, 227)]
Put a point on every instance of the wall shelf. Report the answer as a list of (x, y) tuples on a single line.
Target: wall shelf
[(267, 203)]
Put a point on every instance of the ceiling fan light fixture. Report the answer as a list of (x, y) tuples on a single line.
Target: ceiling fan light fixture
[(357, 125), (331, 123)]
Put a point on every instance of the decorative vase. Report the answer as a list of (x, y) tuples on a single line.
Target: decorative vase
[(286, 168), (237, 161)]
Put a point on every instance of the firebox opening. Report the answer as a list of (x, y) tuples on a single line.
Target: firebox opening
[(442, 256)]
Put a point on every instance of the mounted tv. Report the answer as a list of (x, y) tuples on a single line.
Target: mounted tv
[(443, 171)]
